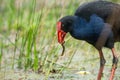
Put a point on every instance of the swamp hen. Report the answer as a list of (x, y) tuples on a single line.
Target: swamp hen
[(97, 23)]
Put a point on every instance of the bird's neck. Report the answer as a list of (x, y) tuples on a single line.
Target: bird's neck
[(78, 28), (88, 31)]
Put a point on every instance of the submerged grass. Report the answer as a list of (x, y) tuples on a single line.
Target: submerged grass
[(28, 35)]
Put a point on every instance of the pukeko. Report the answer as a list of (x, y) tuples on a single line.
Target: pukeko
[(97, 23)]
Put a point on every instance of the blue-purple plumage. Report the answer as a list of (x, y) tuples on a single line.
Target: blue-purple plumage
[(90, 21)]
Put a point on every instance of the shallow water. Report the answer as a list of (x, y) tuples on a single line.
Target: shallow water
[(84, 66)]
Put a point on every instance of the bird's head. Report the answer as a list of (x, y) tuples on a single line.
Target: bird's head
[(64, 25)]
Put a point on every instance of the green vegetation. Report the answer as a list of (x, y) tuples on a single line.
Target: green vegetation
[(28, 35)]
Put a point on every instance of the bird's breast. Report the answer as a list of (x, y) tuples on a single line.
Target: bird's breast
[(87, 34)]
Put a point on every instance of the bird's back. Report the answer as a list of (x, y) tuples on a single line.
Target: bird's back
[(108, 11)]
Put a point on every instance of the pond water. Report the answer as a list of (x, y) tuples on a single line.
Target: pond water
[(84, 66)]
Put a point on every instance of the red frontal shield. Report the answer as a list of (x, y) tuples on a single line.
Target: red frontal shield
[(60, 33)]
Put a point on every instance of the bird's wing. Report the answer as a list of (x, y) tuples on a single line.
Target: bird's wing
[(104, 35)]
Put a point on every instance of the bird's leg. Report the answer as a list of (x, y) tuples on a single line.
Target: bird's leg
[(114, 65), (102, 63)]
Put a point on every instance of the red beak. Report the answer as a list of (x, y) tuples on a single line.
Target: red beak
[(60, 33)]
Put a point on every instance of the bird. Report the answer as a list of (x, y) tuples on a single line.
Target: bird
[(98, 23)]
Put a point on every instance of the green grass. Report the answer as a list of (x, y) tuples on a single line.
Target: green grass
[(33, 29), (28, 35)]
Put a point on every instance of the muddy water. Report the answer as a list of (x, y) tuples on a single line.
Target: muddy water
[(84, 66)]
